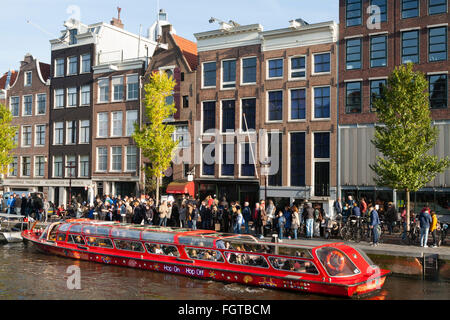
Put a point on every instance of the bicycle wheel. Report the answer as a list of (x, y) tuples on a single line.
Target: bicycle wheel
[(345, 234)]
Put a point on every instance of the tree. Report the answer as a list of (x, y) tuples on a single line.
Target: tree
[(155, 137), (7, 133), (406, 135)]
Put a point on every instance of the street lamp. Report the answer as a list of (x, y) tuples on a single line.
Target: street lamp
[(70, 166), (265, 172)]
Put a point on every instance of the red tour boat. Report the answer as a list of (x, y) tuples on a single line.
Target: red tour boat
[(332, 269)]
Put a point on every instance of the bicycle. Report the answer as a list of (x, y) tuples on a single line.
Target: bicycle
[(413, 234)]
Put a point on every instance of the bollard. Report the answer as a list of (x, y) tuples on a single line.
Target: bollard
[(95, 216), (275, 240), (123, 218)]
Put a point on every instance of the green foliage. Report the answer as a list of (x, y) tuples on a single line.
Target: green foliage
[(406, 134), (155, 138), (7, 133)]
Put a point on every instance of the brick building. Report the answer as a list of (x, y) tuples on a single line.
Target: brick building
[(369, 49), (5, 81), (281, 81), (28, 97)]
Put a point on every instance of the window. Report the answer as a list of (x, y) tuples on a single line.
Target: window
[(353, 54), (209, 115), (275, 106), (117, 84), (275, 68), (100, 242), (378, 51), (322, 62), (72, 97), (248, 159), (131, 158), (132, 119), (209, 74), (437, 6), (59, 133), (126, 245), (16, 138), (73, 66), (297, 159), (249, 114), (57, 167), (85, 95), (71, 132), (84, 166), (39, 165), (185, 101), (274, 142), (162, 249), (102, 159), (26, 166), (26, 136), (410, 46), (376, 91), (322, 145), (84, 131), (41, 103), (228, 115), (321, 102), (59, 67), (73, 36), (13, 168), (227, 168), (70, 166), (249, 70), (86, 63), (204, 254), (298, 67), (27, 105), (353, 97), (228, 74), (103, 88), (410, 8), (298, 104), (116, 124), (438, 91), (40, 135), (59, 98), (247, 259), (382, 4), (28, 78), (181, 134), (293, 265), (353, 12), (437, 44), (76, 239), (116, 156), (102, 125), (208, 157), (133, 87), (14, 106)]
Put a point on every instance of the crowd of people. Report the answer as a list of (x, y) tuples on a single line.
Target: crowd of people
[(260, 220)]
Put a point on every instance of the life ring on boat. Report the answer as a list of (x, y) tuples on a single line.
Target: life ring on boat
[(335, 261)]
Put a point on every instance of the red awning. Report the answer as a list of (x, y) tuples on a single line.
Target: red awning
[(181, 188)]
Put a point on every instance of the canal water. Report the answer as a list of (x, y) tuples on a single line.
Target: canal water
[(27, 274)]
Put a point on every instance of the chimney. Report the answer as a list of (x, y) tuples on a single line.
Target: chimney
[(116, 21), (165, 30)]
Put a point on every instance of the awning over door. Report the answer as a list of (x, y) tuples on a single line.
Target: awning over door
[(181, 188)]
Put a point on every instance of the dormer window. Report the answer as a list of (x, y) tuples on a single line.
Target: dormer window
[(28, 78), (72, 36)]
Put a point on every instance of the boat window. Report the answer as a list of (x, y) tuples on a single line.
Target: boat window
[(100, 242), (76, 239), (64, 227), (336, 263), (158, 236), (134, 246), (247, 259), (76, 228), (295, 252), (197, 241), (126, 233), (162, 249), (96, 230), (366, 257), (251, 247), (293, 265), (204, 254), (61, 237), (52, 234)]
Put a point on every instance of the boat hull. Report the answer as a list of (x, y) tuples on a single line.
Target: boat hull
[(192, 271)]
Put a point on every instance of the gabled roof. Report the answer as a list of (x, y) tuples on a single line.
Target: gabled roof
[(4, 81), (189, 50), (45, 71)]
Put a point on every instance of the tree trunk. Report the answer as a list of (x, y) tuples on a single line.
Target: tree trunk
[(408, 209), (157, 191)]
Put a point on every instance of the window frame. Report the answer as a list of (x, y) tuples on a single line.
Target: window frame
[(203, 75), (386, 50), (290, 119), (224, 83), (314, 63), (445, 28), (268, 61), (242, 82), (268, 106), (292, 70)]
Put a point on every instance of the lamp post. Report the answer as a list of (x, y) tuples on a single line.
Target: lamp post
[(70, 166), (264, 172)]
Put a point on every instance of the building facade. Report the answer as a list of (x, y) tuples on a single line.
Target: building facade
[(371, 45), (27, 100)]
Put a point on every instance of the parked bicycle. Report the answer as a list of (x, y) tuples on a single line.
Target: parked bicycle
[(353, 229)]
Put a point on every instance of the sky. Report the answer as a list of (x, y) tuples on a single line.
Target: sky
[(26, 26)]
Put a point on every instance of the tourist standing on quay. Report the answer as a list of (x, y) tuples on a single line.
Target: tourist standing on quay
[(374, 225), (425, 222)]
